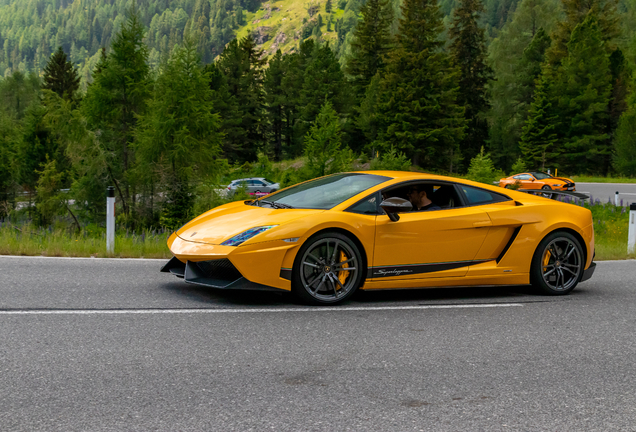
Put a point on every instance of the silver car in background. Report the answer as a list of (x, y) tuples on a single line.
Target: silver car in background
[(254, 186)]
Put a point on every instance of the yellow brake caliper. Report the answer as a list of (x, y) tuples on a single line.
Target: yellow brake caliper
[(343, 275), (546, 258)]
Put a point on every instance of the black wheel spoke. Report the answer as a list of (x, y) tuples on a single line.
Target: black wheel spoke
[(335, 251), (567, 269), (314, 258), (322, 282), (341, 263)]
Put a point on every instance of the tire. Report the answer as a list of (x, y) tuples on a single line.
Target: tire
[(557, 264), (546, 188), (327, 270)]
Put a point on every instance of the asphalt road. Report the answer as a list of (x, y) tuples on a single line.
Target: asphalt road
[(606, 192), (113, 345)]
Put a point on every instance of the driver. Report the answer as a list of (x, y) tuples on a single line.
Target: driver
[(419, 197)]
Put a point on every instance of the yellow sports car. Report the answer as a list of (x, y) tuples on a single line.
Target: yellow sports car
[(326, 238)]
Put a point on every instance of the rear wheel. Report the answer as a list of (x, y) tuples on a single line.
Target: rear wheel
[(327, 270), (557, 264)]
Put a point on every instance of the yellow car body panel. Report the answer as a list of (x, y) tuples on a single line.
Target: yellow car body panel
[(490, 244)]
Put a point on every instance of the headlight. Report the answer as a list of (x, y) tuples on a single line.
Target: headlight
[(557, 185), (246, 235)]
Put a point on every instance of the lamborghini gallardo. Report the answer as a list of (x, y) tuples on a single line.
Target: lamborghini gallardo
[(328, 237)]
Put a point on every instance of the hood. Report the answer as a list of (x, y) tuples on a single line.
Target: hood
[(563, 179), (223, 223)]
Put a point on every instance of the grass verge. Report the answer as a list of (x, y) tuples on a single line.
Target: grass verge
[(30, 240), (585, 179)]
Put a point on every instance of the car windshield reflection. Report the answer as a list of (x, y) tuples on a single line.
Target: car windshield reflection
[(326, 192)]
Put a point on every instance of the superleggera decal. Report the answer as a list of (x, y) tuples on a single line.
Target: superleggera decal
[(393, 271)]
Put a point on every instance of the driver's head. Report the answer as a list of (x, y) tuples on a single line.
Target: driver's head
[(420, 194)]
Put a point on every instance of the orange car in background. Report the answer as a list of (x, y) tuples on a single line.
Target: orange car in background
[(537, 180)]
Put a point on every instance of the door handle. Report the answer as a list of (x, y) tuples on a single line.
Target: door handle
[(481, 224)]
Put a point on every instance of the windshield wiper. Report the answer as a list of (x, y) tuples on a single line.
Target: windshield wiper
[(276, 205)]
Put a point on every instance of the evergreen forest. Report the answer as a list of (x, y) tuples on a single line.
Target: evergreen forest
[(167, 100)]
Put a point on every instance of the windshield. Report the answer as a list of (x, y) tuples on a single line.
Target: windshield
[(326, 192), (269, 182), (541, 176)]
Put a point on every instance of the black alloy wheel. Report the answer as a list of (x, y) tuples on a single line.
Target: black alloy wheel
[(546, 188), (558, 263), (327, 270)]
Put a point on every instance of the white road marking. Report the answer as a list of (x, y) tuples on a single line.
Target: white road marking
[(247, 310)]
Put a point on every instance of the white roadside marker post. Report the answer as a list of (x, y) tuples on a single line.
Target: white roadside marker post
[(110, 220), (616, 199), (631, 236)]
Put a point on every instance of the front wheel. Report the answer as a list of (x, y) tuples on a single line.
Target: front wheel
[(557, 264), (327, 270), (546, 188)]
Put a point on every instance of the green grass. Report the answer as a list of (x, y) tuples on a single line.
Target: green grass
[(610, 228), (288, 20), (30, 240), (610, 231), (588, 179)]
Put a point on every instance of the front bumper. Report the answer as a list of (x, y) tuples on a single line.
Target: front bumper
[(589, 272), (219, 273)]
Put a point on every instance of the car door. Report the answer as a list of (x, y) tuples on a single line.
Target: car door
[(429, 244), (526, 180), (260, 188)]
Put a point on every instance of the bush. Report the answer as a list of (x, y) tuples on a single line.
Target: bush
[(483, 170), (519, 166), (393, 160)]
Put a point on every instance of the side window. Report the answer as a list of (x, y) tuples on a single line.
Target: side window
[(368, 205), (259, 183), (476, 196)]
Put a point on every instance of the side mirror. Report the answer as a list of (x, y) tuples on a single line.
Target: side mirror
[(394, 205)]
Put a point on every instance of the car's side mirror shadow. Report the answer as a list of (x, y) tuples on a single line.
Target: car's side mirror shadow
[(394, 205)]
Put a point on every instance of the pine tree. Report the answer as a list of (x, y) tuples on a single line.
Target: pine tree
[(180, 132), (242, 65), (10, 136), (323, 144), (60, 76), (468, 50), (577, 11), (293, 81), (370, 44), (539, 139), (275, 101), (624, 157), (226, 106), (417, 110), (583, 89), (115, 99), (328, 6), (515, 71), (323, 80)]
